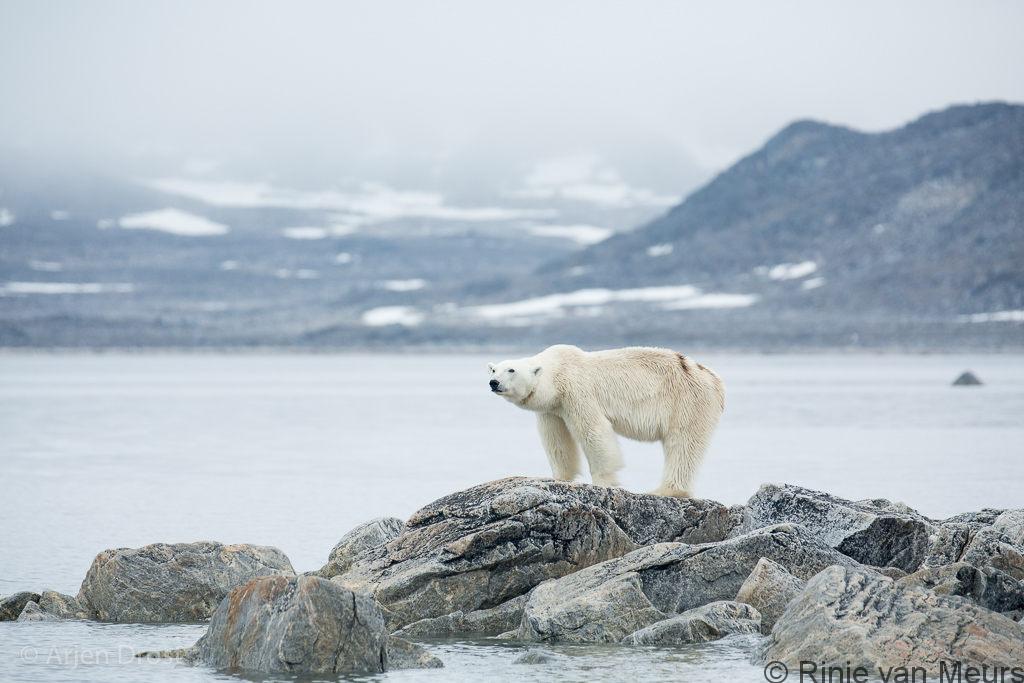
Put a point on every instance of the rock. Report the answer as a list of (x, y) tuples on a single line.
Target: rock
[(961, 578), (873, 532), (484, 622), (187, 653), (893, 573), (768, 589), (405, 655), (967, 379), (700, 625), (62, 606), (11, 606), (368, 536), (180, 582), (609, 601), (535, 657), (478, 548), (296, 624), (1010, 524), (992, 548), (849, 618), (33, 612)]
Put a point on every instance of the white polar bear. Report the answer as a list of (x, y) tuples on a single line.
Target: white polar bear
[(642, 393)]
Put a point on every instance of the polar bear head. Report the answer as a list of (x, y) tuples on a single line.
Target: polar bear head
[(514, 380)]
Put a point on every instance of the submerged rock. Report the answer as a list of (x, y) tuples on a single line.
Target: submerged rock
[(873, 532), (302, 624), (180, 582), (484, 622), (967, 379), (768, 589), (609, 601), (364, 537), (478, 548), (849, 617), (535, 657), (700, 625), (405, 655), (33, 612), (11, 606)]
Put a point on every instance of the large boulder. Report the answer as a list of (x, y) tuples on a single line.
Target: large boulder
[(609, 601), (364, 537), (289, 624), (481, 622), (852, 618), (180, 582), (11, 606), (873, 532), (700, 625), (478, 548), (768, 589)]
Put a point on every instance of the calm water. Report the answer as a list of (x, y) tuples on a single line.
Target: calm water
[(123, 450)]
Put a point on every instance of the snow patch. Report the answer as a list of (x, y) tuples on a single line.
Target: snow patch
[(6, 217), (788, 271), (659, 250), (46, 266), (713, 300), (174, 222), (586, 178), (229, 265), (392, 315), (343, 258), (812, 283), (993, 317), (66, 288), (60, 215), (305, 233), (581, 234), (410, 285)]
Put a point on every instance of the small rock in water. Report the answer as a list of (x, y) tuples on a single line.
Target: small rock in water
[(405, 655), (534, 657), (11, 606), (967, 379), (33, 612), (700, 625)]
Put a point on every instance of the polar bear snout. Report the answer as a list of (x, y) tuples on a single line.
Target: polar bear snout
[(495, 386)]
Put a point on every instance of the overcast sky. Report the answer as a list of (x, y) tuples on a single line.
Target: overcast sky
[(429, 79)]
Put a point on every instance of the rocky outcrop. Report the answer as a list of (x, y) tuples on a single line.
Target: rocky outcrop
[(768, 589), (967, 379), (608, 601), (181, 582), (11, 606), (873, 532), (304, 624), (364, 537), (700, 625), (62, 606), (478, 548), (405, 655), (483, 622), (33, 612), (849, 617)]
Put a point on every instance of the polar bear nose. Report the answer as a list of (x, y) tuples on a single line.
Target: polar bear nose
[(494, 384)]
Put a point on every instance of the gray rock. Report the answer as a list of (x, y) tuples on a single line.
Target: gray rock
[(700, 625), (186, 653), (961, 579), (33, 612), (535, 657), (478, 548), (62, 606), (768, 589), (180, 582), (11, 606), (967, 379), (364, 537), (484, 622), (296, 624), (405, 655), (992, 548), (873, 532), (848, 617), (1011, 524), (608, 601)]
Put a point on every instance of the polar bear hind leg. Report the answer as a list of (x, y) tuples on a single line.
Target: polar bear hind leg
[(684, 452), (563, 455)]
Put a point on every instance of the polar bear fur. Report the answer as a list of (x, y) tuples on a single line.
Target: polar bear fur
[(642, 393)]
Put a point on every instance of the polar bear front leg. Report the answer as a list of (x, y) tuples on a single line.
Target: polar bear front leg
[(562, 452), (594, 433)]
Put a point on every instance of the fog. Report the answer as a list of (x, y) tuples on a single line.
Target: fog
[(409, 90)]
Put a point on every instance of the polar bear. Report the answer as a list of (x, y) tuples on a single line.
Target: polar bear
[(642, 393)]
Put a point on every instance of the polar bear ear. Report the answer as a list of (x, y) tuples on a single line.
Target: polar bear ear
[(536, 370), (490, 366)]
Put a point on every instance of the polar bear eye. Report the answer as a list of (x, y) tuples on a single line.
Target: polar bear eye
[(511, 370)]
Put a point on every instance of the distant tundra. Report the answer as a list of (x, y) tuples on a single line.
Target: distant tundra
[(642, 393)]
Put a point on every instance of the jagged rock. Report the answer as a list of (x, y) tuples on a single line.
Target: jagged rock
[(1010, 523), (478, 548), (961, 578), (180, 582), (967, 379), (992, 548), (608, 601), (484, 622), (768, 589), (33, 612), (368, 536), (700, 625), (850, 617), (187, 653), (296, 624), (873, 532), (62, 606), (11, 606), (405, 655)]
